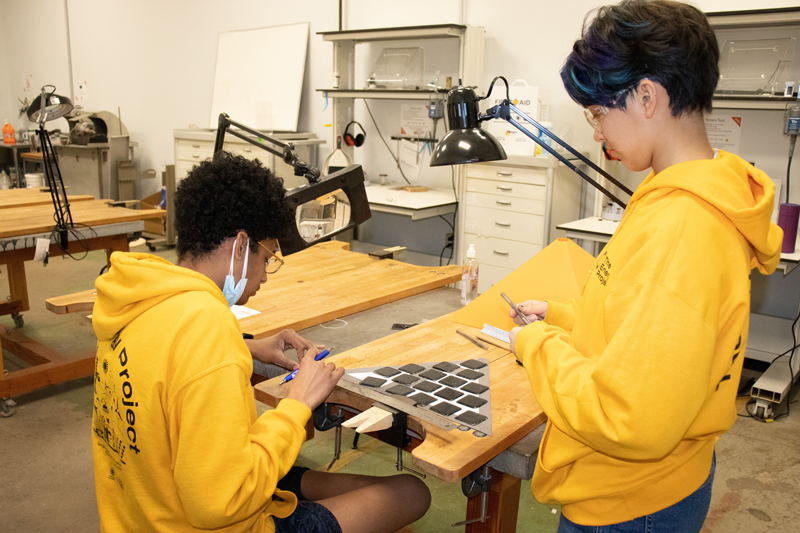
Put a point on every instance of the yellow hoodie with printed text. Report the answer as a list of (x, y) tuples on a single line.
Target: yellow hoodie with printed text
[(639, 377), (176, 441)]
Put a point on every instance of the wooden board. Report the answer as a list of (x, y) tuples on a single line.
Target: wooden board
[(452, 455), (11, 198), (39, 219), (318, 284)]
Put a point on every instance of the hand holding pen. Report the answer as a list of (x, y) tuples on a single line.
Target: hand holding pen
[(319, 357), (536, 310), (313, 381)]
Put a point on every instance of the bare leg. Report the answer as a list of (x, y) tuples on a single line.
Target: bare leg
[(368, 504)]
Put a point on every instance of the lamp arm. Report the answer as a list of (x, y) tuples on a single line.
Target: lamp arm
[(503, 111), (287, 152)]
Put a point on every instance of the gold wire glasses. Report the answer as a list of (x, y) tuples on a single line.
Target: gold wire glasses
[(275, 261)]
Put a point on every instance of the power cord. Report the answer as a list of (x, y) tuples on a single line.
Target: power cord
[(384, 142)]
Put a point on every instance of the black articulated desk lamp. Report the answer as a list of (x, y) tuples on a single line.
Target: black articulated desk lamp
[(46, 107), (466, 142), (324, 207)]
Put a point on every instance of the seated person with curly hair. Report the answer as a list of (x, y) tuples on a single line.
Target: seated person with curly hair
[(177, 444)]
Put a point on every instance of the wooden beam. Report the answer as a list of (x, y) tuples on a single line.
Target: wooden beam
[(17, 284), (28, 349), (36, 377)]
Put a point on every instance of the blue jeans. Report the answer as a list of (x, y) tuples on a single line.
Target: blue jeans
[(686, 516)]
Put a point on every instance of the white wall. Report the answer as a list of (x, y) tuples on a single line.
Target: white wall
[(155, 59)]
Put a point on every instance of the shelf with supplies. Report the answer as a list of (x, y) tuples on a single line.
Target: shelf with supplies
[(381, 94), (469, 68), (752, 78)]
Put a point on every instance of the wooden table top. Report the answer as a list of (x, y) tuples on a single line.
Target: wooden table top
[(452, 455), (39, 219), (11, 198), (318, 284)]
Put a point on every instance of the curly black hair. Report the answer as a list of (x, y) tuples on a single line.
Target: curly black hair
[(220, 197), (667, 42)]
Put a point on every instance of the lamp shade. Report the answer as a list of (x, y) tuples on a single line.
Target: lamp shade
[(466, 142), (56, 106)]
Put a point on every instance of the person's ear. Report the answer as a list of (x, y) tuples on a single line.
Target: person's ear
[(648, 97), (241, 245)]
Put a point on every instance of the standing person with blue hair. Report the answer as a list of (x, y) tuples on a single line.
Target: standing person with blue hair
[(638, 377)]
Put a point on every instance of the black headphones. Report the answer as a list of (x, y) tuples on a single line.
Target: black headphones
[(359, 139)]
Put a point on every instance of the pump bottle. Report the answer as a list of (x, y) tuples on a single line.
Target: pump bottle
[(469, 277)]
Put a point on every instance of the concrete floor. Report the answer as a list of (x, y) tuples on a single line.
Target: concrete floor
[(45, 448)]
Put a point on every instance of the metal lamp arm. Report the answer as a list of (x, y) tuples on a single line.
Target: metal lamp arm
[(286, 153), (503, 111)]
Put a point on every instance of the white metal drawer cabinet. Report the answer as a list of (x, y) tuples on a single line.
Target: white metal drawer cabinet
[(502, 224), (501, 252), (532, 176), (506, 203), (506, 188)]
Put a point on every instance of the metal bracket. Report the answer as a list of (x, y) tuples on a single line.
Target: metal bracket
[(478, 482)]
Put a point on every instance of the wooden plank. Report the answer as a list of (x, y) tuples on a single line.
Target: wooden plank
[(12, 198), (452, 455), (316, 285), (325, 282), (79, 302), (503, 506), (36, 377), (12, 306), (39, 219)]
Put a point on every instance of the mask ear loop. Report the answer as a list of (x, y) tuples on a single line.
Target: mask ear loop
[(246, 257)]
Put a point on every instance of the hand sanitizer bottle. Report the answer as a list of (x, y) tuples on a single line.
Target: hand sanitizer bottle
[(469, 277)]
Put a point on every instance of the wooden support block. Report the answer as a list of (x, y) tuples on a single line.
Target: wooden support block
[(503, 506), (379, 420), (415, 188)]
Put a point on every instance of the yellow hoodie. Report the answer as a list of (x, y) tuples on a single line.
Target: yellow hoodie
[(639, 377), (176, 441)]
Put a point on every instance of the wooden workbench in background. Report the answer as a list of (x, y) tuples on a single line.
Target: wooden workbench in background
[(12, 198), (319, 284), (99, 227)]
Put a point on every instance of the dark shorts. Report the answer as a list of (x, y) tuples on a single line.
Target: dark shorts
[(309, 517)]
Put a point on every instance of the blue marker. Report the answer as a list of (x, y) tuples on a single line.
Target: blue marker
[(319, 357)]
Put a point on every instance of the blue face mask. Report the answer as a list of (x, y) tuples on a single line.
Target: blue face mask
[(233, 293)]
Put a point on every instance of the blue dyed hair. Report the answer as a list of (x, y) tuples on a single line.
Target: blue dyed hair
[(668, 42)]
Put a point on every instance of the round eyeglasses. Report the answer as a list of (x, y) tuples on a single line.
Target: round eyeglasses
[(275, 261)]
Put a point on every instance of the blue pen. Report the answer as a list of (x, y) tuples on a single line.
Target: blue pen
[(320, 356)]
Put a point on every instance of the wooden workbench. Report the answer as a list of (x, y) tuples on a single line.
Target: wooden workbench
[(98, 227), (12, 198), (449, 456)]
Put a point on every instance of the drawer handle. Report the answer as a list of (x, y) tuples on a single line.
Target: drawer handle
[(196, 156), (507, 189), (500, 253), (505, 174), (248, 150), (498, 202), (503, 224), (195, 146)]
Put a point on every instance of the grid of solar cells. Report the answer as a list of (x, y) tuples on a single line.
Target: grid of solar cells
[(448, 388)]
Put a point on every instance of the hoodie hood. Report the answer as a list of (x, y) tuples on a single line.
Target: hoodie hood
[(137, 282), (741, 192)]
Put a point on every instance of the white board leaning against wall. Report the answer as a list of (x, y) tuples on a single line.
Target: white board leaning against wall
[(259, 76)]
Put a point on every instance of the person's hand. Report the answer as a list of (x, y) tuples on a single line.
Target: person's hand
[(314, 382), (533, 309), (271, 350)]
